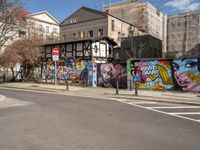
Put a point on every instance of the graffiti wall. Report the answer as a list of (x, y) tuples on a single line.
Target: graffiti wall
[(108, 74), (165, 74), (186, 74), (71, 70), (155, 74)]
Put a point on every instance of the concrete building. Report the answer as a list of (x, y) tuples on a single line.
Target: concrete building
[(42, 24), (90, 23), (143, 15), (145, 46), (183, 35)]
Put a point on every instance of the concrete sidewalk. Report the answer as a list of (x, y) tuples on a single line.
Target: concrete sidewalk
[(165, 96)]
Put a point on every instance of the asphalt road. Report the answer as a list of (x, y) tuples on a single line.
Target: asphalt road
[(41, 121)]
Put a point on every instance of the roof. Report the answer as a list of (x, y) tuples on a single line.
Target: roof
[(82, 40), (87, 9), (97, 12), (44, 12)]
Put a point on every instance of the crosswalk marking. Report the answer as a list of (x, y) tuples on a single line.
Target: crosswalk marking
[(159, 109), (185, 113), (174, 107), (144, 102)]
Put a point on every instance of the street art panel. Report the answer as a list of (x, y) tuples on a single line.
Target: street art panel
[(186, 74), (153, 74), (108, 74), (50, 70), (71, 70)]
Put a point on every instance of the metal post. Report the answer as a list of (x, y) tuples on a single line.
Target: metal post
[(117, 88), (67, 84), (130, 84), (136, 88), (55, 74)]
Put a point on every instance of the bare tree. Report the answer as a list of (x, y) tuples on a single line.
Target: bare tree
[(133, 47), (12, 16)]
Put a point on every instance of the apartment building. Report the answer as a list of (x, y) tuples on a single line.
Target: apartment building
[(90, 23), (143, 15), (183, 35), (42, 24)]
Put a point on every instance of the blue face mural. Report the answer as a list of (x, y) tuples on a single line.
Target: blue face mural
[(186, 73)]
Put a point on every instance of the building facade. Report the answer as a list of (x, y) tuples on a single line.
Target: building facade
[(42, 24), (143, 15), (145, 46), (90, 23), (183, 35)]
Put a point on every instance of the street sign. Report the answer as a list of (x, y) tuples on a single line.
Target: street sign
[(55, 58), (55, 54)]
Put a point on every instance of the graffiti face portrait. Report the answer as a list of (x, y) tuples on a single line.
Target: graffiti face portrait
[(106, 73), (186, 73)]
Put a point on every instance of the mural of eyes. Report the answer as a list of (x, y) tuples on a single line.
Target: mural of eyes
[(190, 64), (176, 66)]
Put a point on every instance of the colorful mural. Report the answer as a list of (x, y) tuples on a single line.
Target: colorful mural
[(154, 74), (71, 70), (109, 73), (186, 74)]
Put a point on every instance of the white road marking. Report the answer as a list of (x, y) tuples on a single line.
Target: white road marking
[(171, 114), (144, 102), (185, 113), (174, 107)]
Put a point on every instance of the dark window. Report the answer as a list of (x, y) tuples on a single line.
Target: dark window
[(113, 25), (91, 33), (64, 37), (22, 34), (100, 32)]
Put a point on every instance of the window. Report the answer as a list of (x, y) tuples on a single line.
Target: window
[(21, 35), (90, 33), (83, 34), (55, 30), (64, 37), (113, 25), (79, 34), (47, 29), (100, 32), (73, 35)]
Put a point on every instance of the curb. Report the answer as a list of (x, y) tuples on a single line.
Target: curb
[(2, 98), (161, 99), (110, 95)]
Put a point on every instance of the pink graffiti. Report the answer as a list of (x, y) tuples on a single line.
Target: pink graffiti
[(137, 64), (143, 77), (186, 83)]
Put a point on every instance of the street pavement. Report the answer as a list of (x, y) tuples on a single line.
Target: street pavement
[(164, 96), (54, 121)]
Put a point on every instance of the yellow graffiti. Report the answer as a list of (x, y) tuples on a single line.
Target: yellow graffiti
[(166, 79), (153, 77), (158, 86), (194, 77)]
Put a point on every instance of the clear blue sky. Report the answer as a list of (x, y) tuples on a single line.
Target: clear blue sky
[(61, 9)]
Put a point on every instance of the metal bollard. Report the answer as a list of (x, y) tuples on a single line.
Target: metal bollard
[(117, 88), (136, 89), (67, 85), (130, 84)]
